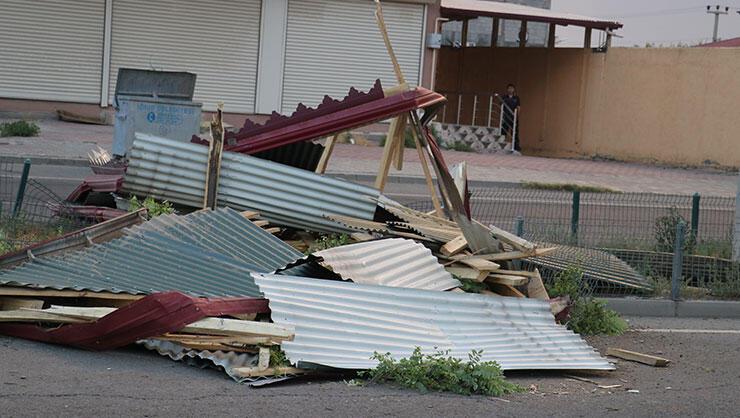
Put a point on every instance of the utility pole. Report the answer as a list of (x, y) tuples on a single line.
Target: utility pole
[(716, 12)]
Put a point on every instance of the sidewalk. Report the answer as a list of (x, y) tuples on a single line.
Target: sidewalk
[(69, 143)]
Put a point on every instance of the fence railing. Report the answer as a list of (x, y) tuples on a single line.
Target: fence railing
[(639, 229)]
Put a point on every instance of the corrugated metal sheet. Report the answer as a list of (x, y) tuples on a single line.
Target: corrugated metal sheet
[(474, 8), (334, 44), (172, 170), (394, 262), (231, 362), (219, 42), (206, 253), (51, 50), (341, 324)]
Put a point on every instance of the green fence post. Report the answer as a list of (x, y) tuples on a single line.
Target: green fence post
[(519, 226), (22, 187), (695, 215), (677, 270), (575, 214)]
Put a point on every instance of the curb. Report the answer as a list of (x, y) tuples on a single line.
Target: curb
[(674, 309), (76, 162)]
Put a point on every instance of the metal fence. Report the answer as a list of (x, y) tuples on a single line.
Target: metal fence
[(612, 236), (29, 211)]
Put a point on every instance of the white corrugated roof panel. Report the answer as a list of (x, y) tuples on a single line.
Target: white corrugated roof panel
[(341, 324)]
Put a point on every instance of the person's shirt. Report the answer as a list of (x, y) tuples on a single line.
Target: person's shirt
[(512, 102)]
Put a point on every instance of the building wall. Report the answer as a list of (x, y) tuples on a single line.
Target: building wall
[(672, 105)]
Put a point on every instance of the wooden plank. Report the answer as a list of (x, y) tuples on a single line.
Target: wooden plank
[(455, 246), (187, 339), (207, 326), (270, 371), (427, 175), (463, 272), (388, 151), (523, 273), (24, 315), (480, 264), (40, 293), (274, 230), (215, 151), (11, 303), (328, 149), (507, 279), (519, 243), (638, 357), (250, 214), (261, 223), (400, 148), (536, 288), (506, 290), (510, 255)]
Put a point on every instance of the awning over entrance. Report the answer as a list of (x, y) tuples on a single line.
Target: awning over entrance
[(460, 9)]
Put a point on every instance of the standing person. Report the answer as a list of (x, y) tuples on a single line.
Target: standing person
[(512, 108)]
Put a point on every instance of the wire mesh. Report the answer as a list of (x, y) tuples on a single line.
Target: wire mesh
[(620, 236)]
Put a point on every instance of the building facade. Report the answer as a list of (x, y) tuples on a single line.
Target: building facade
[(256, 56)]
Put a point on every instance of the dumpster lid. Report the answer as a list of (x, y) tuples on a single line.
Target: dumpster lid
[(176, 85)]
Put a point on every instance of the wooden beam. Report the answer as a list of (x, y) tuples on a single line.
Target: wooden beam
[(551, 36), (388, 152), (207, 326), (40, 293), (638, 357), (536, 288), (463, 272), (427, 175), (523, 34), (505, 256), (400, 148), (11, 303), (270, 371), (506, 290), (215, 151), (250, 214), (328, 149), (519, 243), (388, 46), (587, 38), (506, 279), (494, 32)]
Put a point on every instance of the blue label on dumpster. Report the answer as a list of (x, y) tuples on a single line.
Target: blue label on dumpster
[(151, 116)]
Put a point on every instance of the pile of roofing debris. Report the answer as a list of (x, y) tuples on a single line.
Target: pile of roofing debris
[(222, 285)]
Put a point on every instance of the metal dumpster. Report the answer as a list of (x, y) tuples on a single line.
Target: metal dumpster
[(154, 102)]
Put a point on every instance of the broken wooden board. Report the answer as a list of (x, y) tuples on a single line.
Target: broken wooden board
[(638, 357), (250, 214), (206, 326), (270, 371), (506, 290), (517, 242), (506, 256), (455, 246), (483, 267), (463, 272), (506, 279), (536, 288), (41, 293)]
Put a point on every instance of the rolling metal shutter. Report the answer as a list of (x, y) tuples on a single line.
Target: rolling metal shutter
[(332, 45), (219, 41), (51, 50)]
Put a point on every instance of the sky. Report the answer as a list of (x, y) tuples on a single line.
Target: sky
[(666, 22)]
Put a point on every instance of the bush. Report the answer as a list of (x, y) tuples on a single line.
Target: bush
[(591, 317), (471, 286), (19, 128), (665, 232), (441, 373), (153, 208), (458, 146), (325, 242), (587, 316)]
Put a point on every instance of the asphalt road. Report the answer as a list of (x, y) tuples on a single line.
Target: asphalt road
[(39, 379)]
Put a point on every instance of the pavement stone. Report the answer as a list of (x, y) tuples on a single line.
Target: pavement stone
[(69, 143)]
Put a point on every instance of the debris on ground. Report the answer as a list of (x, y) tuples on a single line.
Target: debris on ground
[(637, 357)]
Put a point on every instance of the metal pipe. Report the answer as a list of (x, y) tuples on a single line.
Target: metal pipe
[(490, 110), (575, 215), (695, 215), (459, 106), (513, 130), (475, 108)]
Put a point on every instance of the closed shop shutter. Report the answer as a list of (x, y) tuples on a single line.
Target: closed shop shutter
[(218, 41), (332, 45), (51, 49)]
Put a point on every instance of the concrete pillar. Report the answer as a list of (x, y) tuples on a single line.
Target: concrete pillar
[(736, 235)]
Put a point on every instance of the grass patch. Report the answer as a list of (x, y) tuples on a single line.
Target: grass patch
[(441, 373), (19, 128), (471, 286), (567, 187), (587, 316), (325, 242), (153, 207)]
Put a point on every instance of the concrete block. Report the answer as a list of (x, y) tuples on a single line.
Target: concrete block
[(708, 309), (642, 307)]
